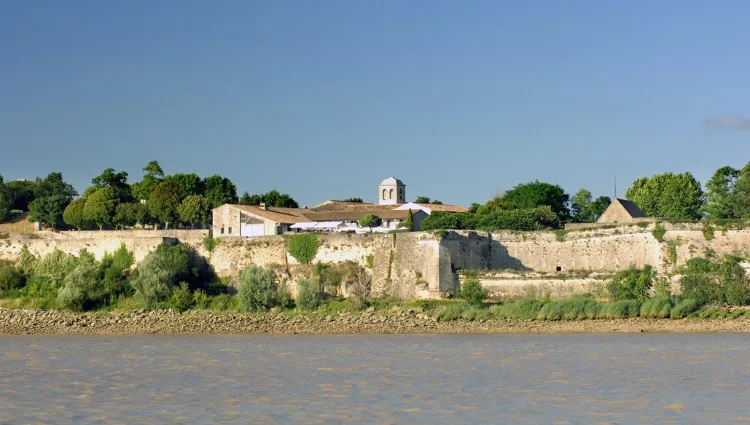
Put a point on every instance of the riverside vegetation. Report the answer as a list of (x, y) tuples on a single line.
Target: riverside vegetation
[(175, 279)]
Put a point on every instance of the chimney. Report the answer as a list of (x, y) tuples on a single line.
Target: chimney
[(263, 206)]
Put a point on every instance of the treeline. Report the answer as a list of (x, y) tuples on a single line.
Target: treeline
[(176, 200), (528, 206), (675, 196)]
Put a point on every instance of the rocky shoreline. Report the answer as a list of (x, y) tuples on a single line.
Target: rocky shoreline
[(411, 321)]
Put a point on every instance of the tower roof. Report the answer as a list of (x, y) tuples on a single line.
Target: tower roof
[(392, 181)]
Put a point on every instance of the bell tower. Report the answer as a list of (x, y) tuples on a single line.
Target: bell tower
[(391, 191)]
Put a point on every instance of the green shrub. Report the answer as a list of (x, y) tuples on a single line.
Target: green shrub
[(708, 231), (714, 312), (303, 247), (622, 309), (370, 259), (560, 235), (10, 278), (258, 290), (210, 243), (662, 287), (570, 309), (224, 302), (181, 299), (659, 231), (284, 298), (734, 282), (472, 292), (451, 312), (78, 287), (672, 252), (684, 307), (201, 299), (523, 309), (631, 284), (38, 287), (700, 281), (308, 294), (657, 308)]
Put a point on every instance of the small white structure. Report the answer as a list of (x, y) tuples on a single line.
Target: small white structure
[(391, 191)]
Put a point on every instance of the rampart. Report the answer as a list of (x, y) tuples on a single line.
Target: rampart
[(428, 264)]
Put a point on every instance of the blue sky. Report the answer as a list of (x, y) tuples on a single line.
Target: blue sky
[(323, 99)]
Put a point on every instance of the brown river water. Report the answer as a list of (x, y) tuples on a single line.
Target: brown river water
[(436, 379)]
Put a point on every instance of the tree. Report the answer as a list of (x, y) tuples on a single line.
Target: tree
[(6, 203), (129, 214), (258, 290), (579, 206), (53, 185), (117, 181), (219, 191), (436, 202), (194, 210), (272, 199), (721, 193), (370, 221), (153, 175), (21, 193), (48, 209), (190, 184), (742, 193), (598, 207), (409, 223), (100, 207), (422, 200), (669, 195), (537, 194), (52, 195), (74, 215), (163, 202), (354, 200)]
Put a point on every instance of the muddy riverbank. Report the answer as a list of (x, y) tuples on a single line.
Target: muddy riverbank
[(412, 321)]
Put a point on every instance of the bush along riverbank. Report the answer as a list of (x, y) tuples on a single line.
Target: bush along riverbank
[(175, 291)]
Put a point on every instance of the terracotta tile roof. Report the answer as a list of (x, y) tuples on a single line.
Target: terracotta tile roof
[(355, 215), (446, 208), (350, 206), (279, 215)]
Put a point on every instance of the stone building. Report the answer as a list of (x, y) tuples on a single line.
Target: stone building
[(391, 191), (331, 216), (622, 211)]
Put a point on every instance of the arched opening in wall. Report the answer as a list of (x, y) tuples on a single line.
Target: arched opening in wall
[(384, 192), (390, 195), (558, 269)]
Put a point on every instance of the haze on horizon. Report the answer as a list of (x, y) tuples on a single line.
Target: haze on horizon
[(325, 99)]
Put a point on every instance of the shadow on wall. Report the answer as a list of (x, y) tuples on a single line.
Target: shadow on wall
[(475, 251)]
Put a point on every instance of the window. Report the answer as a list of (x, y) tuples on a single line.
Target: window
[(558, 268), (222, 230), (384, 191), (229, 230), (390, 195)]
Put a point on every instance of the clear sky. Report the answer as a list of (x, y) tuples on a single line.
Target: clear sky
[(324, 99)]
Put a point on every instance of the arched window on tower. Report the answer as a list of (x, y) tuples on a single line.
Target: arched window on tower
[(384, 191), (390, 195)]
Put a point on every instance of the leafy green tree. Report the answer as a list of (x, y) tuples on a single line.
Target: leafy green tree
[(100, 207), (52, 195), (422, 200), (129, 214), (308, 295), (194, 210), (370, 221), (597, 208), (163, 202), (721, 194), (21, 193), (742, 193), (118, 182), (219, 191), (272, 199), (258, 290), (668, 195), (409, 223), (354, 200), (152, 175), (74, 214), (436, 202), (6, 203), (190, 184), (579, 206), (536, 194), (472, 292)]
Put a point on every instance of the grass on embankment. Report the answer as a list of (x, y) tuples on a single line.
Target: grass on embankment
[(524, 309)]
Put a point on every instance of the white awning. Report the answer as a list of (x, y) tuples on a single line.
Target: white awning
[(304, 225)]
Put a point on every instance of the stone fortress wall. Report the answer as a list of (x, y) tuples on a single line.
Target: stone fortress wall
[(432, 264)]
